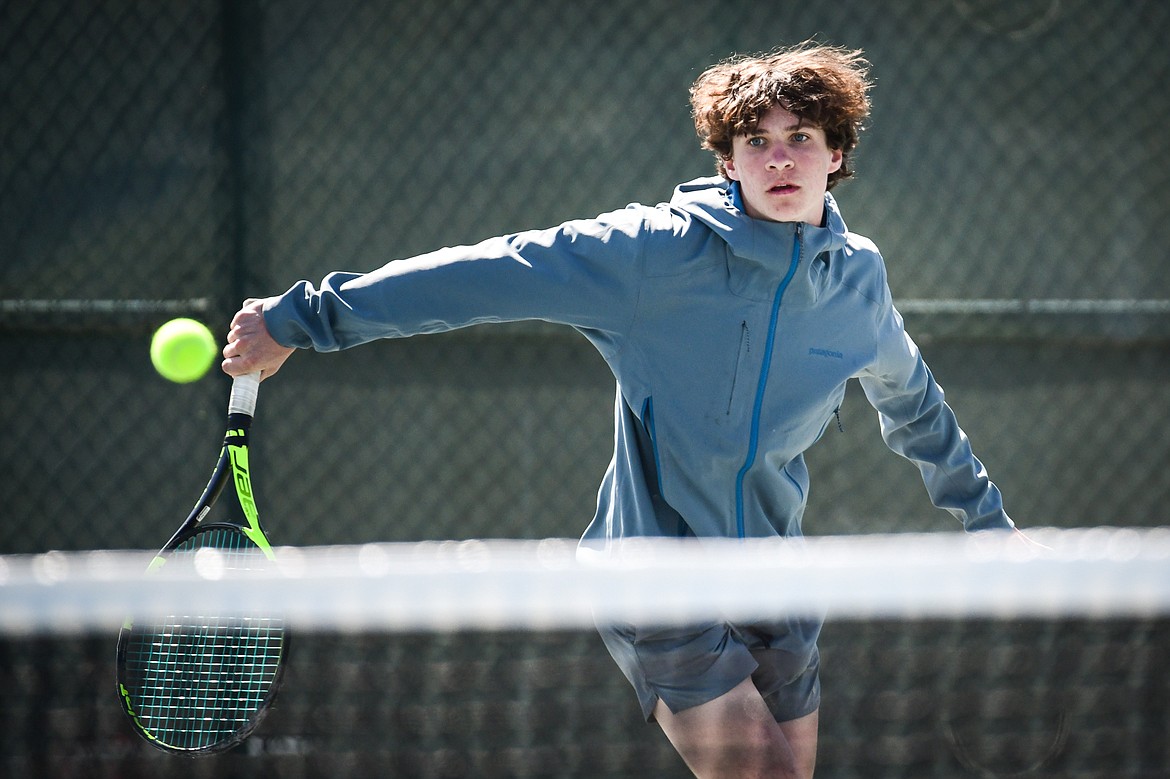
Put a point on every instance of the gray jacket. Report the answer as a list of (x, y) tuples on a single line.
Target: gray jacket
[(731, 339)]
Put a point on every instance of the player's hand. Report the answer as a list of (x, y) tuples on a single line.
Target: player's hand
[(250, 347), (1026, 542)]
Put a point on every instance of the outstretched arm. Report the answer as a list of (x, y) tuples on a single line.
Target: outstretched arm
[(918, 424)]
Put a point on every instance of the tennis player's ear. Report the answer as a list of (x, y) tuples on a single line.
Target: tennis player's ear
[(836, 160), (729, 166)]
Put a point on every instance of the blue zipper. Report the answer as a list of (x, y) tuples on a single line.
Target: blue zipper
[(757, 407)]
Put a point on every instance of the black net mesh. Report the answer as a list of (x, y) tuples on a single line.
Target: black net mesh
[(946, 699)]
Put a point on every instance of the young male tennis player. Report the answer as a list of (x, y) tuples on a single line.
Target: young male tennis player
[(732, 318)]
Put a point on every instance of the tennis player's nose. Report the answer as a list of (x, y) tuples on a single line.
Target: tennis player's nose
[(779, 158)]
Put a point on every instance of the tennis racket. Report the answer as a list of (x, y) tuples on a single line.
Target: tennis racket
[(1019, 752), (199, 683)]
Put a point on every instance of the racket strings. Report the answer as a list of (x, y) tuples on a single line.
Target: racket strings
[(195, 679)]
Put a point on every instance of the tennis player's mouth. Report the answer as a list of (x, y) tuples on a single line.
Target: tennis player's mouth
[(783, 189)]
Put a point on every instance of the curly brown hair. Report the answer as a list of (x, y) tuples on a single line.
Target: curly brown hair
[(825, 86)]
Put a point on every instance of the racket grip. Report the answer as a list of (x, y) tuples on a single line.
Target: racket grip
[(244, 391)]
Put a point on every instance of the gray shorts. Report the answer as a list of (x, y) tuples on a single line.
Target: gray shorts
[(688, 666)]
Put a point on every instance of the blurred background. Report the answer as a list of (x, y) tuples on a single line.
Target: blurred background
[(160, 159)]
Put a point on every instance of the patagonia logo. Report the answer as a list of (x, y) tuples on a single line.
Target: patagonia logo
[(815, 352)]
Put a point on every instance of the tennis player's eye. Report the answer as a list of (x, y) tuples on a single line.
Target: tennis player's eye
[(802, 137), (756, 141)]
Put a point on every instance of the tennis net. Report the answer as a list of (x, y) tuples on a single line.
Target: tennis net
[(943, 655)]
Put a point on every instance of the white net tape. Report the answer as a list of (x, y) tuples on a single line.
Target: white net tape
[(551, 584)]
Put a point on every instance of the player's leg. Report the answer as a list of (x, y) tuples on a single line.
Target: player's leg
[(719, 693), (735, 735), (802, 739)]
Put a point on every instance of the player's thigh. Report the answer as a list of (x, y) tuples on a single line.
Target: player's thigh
[(735, 735)]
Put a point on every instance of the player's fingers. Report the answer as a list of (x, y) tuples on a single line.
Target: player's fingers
[(243, 316), (244, 335), (251, 309), (236, 354), (266, 358), (250, 347), (231, 366), (234, 362)]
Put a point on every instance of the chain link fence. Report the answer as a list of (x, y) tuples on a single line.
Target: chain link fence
[(172, 159), (166, 159)]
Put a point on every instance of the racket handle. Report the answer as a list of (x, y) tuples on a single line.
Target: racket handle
[(244, 391)]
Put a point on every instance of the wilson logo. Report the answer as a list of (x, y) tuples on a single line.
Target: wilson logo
[(815, 352)]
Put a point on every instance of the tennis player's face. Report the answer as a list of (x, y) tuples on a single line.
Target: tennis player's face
[(783, 168)]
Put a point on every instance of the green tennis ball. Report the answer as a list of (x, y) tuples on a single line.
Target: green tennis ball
[(182, 350)]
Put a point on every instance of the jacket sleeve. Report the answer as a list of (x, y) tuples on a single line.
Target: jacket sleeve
[(917, 423), (583, 273)]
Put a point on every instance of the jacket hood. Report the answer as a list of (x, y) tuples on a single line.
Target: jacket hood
[(717, 203)]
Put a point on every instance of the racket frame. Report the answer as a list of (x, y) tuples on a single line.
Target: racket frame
[(233, 467)]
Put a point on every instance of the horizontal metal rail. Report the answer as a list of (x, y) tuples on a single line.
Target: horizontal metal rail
[(1090, 319)]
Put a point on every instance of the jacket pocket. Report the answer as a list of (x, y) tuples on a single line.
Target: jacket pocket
[(741, 362)]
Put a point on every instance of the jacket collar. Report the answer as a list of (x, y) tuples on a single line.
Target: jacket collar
[(759, 251)]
